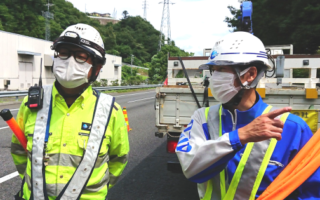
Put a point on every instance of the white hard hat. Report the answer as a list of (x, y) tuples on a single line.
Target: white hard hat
[(85, 37), (238, 48)]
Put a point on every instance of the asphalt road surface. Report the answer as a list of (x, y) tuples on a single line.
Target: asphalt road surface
[(145, 177)]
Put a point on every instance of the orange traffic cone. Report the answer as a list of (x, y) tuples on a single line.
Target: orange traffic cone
[(126, 118)]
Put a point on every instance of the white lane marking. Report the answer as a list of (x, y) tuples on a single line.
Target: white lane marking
[(8, 177), (140, 100), (134, 94), (4, 127), (14, 109)]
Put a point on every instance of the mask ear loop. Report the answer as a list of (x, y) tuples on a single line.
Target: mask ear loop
[(239, 74)]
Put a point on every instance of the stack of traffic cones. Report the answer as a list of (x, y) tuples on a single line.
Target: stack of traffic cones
[(126, 118)]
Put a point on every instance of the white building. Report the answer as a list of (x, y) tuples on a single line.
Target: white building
[(20, 62), (112, 69)]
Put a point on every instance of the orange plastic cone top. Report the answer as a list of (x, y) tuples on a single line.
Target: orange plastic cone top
[(304, 164), (126, 118)]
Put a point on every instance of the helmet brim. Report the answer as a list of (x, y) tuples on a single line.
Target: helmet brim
[(230, 63), (91, 51)]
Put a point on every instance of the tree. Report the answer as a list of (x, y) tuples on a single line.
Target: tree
[(159, 62), (285, 22), (125, 14)]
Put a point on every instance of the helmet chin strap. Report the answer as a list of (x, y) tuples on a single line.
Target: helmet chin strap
[(94, 70)]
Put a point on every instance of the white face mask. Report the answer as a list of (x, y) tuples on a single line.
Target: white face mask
[(69, 73), (222, 85)]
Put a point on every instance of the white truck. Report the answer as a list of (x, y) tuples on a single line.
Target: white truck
[(175, 103)]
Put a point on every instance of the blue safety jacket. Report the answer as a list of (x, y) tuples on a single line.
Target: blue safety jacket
[(202, 159)]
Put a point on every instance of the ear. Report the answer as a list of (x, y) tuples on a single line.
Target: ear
[(250, 75), (98, 69)]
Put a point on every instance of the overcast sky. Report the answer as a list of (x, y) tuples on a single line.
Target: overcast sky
[(195, 24)]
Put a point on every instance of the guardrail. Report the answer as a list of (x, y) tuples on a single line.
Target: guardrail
[(5, 94)]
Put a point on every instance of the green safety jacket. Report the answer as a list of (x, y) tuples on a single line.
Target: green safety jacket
[(69, 133)]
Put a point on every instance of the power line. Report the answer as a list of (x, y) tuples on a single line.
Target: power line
[(145, 7), (48, 15), (165, 27), (114, 14)]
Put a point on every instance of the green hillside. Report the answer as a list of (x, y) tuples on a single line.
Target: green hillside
[(131, 36)]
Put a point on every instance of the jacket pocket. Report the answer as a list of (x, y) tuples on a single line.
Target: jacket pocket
[(83, 139)]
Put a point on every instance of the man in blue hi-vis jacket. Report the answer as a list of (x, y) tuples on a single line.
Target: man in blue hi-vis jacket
[(234, 150)]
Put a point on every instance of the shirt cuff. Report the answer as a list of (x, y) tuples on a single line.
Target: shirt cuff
[(235, 141)]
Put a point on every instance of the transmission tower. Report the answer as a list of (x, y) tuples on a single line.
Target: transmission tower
[(114, 14), (145, 7), (48, 15), (165, 23)]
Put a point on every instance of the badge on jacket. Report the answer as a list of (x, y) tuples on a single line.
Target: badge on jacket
[(86, 126)]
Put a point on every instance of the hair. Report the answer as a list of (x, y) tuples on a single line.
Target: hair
[(260, 66)]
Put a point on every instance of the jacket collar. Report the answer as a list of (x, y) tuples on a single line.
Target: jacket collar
[(245, 117), (85, 95)]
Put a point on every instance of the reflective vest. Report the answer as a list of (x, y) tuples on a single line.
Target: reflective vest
[(252, 166), (77, 183)]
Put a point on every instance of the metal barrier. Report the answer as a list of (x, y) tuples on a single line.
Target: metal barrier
[(17, 94)]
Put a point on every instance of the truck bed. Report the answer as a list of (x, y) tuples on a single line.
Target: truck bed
[(175, 105)]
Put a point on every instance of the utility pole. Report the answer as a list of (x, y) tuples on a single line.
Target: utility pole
[(48, 15), (145, 7), (165, 19), (114, 15), (132, 59)]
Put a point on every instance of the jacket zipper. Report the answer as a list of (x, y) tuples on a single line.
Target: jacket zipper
[(234, 120)]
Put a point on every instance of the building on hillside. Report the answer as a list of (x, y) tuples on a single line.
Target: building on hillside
[(100, 14), (20, 62), (102, 18)]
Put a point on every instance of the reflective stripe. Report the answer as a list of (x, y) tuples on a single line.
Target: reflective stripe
[(223, 172), (97, 187), (266, 161), (28, 180), (17, 149), (213, 126), (21, 168), (113, 179), (99, 125), (122, 159), (68, 160), (38, 145), (245, 175), (65, 160), (87, 163), (207, 113), (247, 178), (54, 189)]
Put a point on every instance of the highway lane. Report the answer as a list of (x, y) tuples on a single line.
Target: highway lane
[(145, 176)]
